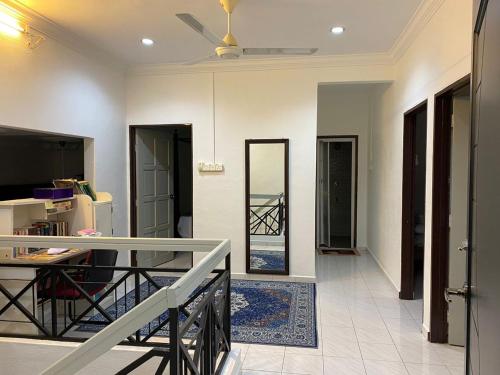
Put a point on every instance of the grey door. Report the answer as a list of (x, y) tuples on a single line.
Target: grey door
[(154, 189), (484, 251)]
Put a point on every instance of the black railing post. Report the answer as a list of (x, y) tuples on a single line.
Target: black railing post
[(175, 355), (53, 302), (207, 342), (137, 293), (227, 312), (280, 217)]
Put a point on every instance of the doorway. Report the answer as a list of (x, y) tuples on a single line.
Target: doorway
[(161, 170), (413, 205), (450, 213), (336, 211)]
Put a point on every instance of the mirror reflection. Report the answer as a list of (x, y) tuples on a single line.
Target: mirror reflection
[(267, 206)]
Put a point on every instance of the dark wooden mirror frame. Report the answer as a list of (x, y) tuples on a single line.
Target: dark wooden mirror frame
[(249, 142)]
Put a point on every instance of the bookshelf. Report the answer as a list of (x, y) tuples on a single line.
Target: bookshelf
[(84, 213)]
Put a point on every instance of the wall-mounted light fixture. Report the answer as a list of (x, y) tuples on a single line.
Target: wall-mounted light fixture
[(12, 26), (9, 24)]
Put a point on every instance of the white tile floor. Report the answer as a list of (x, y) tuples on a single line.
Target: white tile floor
[(363, 329)]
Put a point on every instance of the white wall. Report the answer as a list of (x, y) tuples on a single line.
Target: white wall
[(58, 90), (346, 110), (439, 56), (249, 104)]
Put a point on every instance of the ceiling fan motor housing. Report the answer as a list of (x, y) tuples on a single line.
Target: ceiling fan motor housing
[(228, 5), (229, 52)]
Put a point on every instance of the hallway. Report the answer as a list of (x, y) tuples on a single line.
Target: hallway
[(363, 328)]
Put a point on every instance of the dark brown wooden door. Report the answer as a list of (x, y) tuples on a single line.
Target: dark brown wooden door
[(484, 227)]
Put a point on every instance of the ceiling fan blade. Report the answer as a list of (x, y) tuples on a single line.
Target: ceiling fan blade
[(193, 23), (279, 51), (199, 60)]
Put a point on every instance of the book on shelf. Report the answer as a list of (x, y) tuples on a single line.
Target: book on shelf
[(79, 187), (58, 207), (40, 228)]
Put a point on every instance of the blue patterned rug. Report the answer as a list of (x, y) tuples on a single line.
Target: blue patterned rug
[(267, 260), (262, 312)]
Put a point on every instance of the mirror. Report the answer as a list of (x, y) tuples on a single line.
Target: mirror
[(266, 171)]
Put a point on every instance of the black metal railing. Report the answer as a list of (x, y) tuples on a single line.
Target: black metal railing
[(196, 334), (267, 219)]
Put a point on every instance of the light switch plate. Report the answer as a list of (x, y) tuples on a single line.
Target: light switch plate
[(210, 167)]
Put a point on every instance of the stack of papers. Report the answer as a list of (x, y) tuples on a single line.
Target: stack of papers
[(56, 251)]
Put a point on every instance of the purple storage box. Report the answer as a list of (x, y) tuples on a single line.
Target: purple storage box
[(52, 193)]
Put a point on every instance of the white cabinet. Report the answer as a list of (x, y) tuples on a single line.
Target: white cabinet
[(97, 215)]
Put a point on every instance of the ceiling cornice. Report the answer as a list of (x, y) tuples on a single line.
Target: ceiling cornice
[(312, 62), (53, 31), (420, 18)]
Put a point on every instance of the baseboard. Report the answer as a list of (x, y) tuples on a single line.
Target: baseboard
[(426, 331), (291, 278), (379, 263), (233, 364)]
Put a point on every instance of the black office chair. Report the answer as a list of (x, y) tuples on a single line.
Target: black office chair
[(91, 280)]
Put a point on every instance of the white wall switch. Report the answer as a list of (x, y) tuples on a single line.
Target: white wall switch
[(210, 167)]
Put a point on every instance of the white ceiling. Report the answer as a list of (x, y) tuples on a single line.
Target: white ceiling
[(118, 25)]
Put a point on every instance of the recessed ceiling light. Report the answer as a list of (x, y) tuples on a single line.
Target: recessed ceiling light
[(337, 30), (147, 41)]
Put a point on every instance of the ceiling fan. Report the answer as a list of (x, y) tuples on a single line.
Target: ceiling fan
[(228, 48)]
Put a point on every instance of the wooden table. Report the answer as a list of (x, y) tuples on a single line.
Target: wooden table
[(14, 279), (42, 257)]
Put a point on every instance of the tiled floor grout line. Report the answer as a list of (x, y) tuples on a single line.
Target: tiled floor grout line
[(419, 325), (387, 328), (319, 334), (357, 339), (283, 361)]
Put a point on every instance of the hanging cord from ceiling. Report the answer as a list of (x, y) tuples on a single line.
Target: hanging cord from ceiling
[(213, 108)]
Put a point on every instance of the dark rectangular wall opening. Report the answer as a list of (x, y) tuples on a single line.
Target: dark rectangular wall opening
[(30, 159), (413, 204), (419, 222), (183, 175)]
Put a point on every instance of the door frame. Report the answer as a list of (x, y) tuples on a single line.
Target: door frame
[(355, 195), (440, 241), (407, 288), (133, 176)]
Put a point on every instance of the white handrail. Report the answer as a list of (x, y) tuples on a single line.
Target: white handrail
[(111, 243), (271, 197), (178, 293), (144, 312)]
